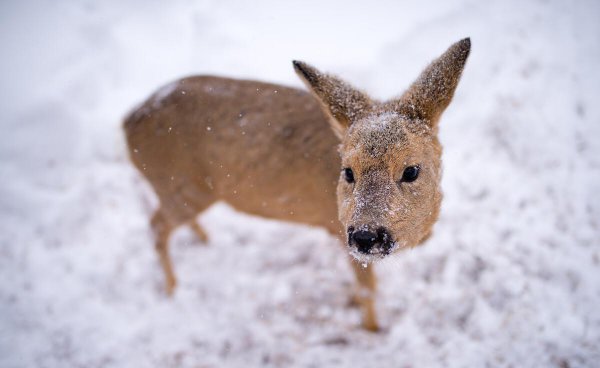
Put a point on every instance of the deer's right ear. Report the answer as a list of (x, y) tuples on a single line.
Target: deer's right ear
[(342, 102)]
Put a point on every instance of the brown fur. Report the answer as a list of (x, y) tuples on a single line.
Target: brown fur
[(265, 150)]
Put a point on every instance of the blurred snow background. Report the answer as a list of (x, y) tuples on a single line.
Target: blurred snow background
[(511, 276)]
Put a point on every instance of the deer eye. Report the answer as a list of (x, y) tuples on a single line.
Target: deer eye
[(410, 174), (348, 175)]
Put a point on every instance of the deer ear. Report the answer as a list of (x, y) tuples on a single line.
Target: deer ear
[(342, 102), (430, 94)]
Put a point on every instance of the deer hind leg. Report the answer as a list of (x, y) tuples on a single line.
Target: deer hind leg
[(199, 230), (365, 295), (176, 210), (162, 228), (193, 201)]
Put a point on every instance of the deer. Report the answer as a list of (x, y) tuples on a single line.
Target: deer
[(366, 171)]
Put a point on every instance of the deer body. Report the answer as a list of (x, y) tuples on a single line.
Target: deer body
[(259, 147), (266, 150)]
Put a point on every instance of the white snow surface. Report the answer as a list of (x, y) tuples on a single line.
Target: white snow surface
[(510, 278)]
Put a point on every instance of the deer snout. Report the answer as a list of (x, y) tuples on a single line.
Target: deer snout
[(367, 241)]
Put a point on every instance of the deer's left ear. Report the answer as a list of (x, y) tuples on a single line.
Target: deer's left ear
[(342, 102), (427, 98)]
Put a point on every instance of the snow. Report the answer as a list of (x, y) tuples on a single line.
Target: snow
[(510, 276)]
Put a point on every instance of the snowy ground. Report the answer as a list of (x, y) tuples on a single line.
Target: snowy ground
[(511, 276)]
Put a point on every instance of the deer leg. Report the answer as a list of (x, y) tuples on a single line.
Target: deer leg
[(200, 233), (162, 229), (365, 296)]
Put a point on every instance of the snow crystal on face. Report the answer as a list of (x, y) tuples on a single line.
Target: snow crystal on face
[(375, 254), (382, 121), (378, 132)]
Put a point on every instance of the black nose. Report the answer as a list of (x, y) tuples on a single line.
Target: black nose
[(364, 240), (368, 242)]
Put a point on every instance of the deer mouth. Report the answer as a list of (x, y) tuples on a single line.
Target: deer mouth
[(373, 255)]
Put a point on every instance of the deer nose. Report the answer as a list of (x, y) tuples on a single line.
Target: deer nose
[(364, 240)]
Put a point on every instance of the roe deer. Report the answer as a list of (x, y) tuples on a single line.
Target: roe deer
[(373, 180)]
